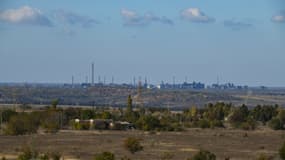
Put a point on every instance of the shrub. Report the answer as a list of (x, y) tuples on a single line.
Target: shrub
[(247, 126), (275, 124), (148, 123), (203, 155), (281, 116), (7, 113), (125, 158), (105, 156), (264, 157), (44, 157), (21, 124), (166, 156), (133, 144), (238, 116), (282, 151), (51, 122), (216, 123), (28, 154), (264, 113), (55, 155), (203, 123), (75, 125)]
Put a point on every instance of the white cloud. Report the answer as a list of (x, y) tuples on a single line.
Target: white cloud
[(235, 24), (25, 15), (196, 15), (132, 18), (279, 18), (128, 14), (71, 18)]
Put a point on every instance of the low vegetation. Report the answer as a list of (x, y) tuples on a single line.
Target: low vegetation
[(51, 119), (28, 154), (282, 151), (203, 155), (133, 145), (104, 156)]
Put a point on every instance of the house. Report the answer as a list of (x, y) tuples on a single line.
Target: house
[(122, 125), (102, 124)]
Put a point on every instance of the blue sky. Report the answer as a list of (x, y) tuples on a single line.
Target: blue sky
[(49, 41)]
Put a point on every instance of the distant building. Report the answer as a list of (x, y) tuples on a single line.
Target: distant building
[(185, 85), (226, 86), (103, 124)]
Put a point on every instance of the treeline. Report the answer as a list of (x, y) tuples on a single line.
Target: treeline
[(221, 115)]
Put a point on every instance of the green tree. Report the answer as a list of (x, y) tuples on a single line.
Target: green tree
[(264, 113), (87, 114), (194, 111), (238, 116), (281, 116), (130, 104), (148, 123), (106, 115), (244, 110), (278, 122), (54, 103)]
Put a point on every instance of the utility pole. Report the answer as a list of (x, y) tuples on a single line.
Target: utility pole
[(139, 94), (99, 79)]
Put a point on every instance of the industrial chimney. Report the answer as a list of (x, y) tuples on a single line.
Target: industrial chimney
[(92, 76)]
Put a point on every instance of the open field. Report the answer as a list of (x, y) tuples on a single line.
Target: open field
[(117, 96), (84, 144)]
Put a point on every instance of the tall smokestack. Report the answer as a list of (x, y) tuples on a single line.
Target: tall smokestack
[(92, 76), (72, 81)]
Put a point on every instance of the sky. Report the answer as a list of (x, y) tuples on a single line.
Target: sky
[(50, 41)]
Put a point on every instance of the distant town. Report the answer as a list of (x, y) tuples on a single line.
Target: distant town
[(136, 82)]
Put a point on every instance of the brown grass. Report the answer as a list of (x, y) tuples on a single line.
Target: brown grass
[(84, 144)]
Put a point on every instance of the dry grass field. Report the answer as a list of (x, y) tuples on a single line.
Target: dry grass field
[(84, 144)]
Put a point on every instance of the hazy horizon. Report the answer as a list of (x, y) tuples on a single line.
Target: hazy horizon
[(239, 41)]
